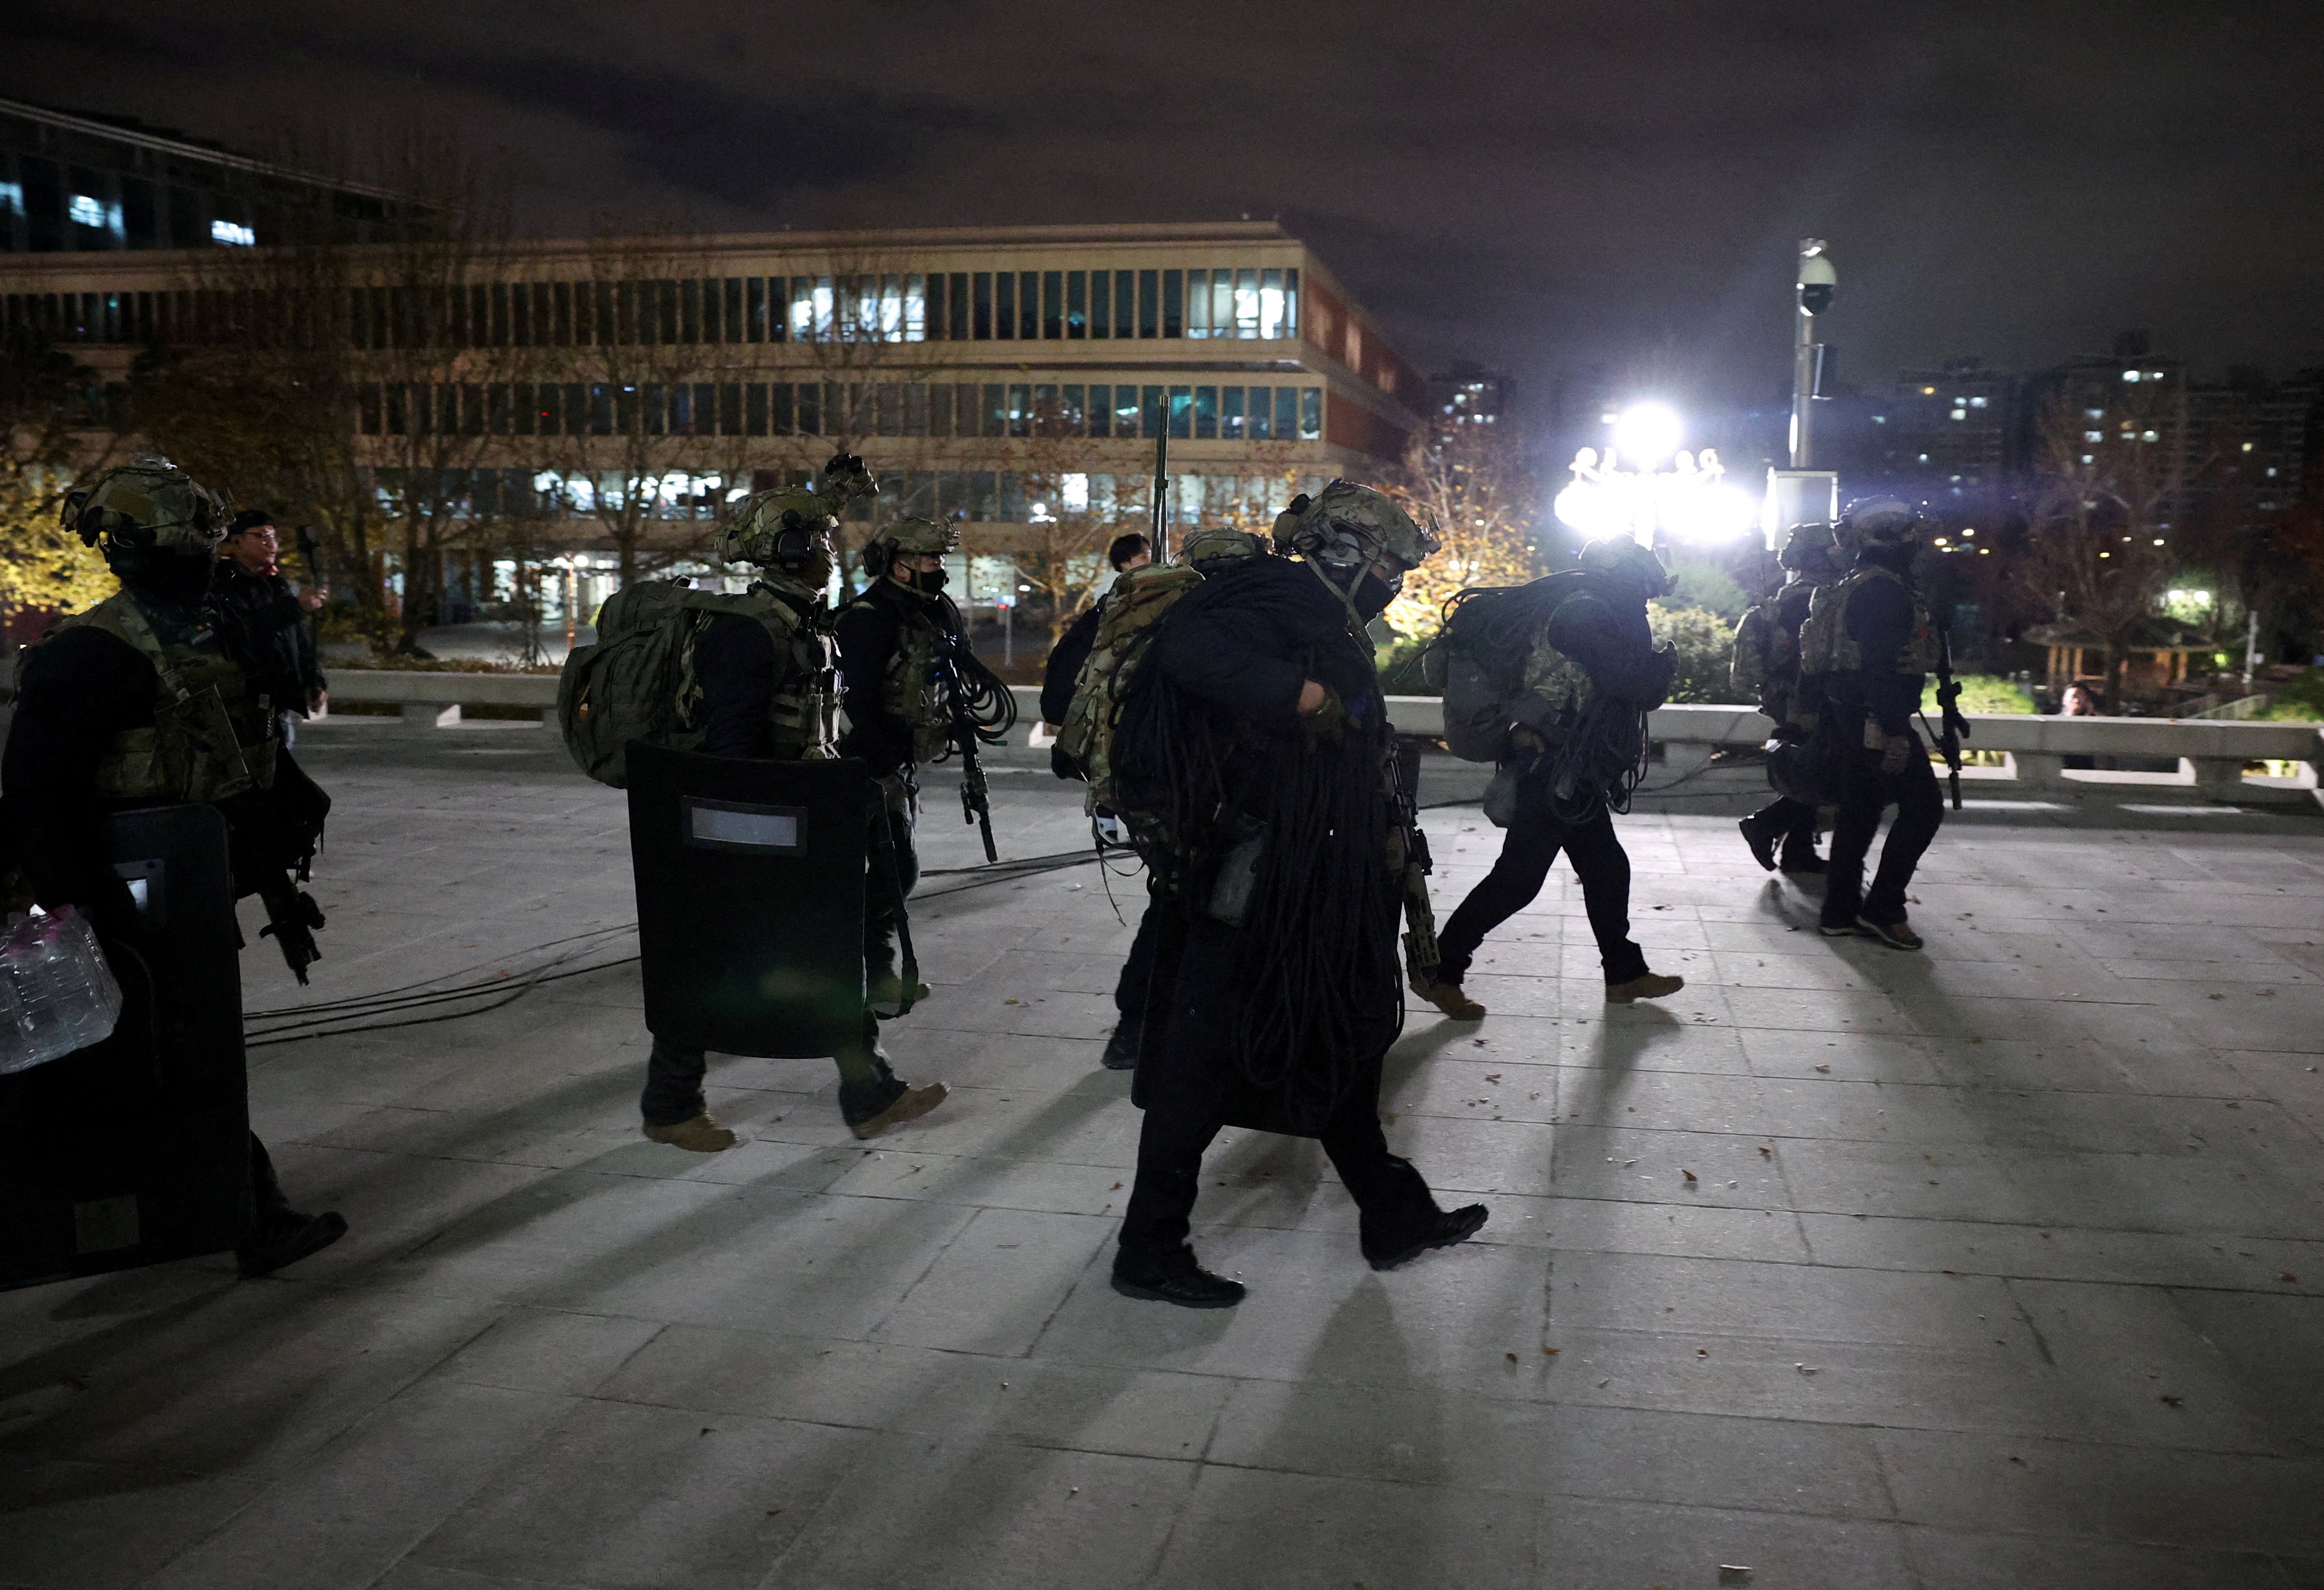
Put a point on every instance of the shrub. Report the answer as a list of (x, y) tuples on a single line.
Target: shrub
[(1980, 693)]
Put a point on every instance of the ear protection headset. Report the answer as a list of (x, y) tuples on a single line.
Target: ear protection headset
[(794, 542), (879, 557)]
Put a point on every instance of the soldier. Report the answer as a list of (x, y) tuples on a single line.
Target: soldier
[(1252, 750), (139, 703), (893, 640), (1767, 664), (1865, 654), (762, 667), (1592, 673)]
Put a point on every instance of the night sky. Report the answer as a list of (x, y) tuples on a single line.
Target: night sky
[(1536, 187)]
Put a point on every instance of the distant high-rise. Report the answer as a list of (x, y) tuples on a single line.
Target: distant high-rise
[(1943, 435), (1468, 394)]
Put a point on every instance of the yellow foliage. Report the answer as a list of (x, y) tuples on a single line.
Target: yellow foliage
[(43, 564)]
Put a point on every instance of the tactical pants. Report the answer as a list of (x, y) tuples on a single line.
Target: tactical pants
[(1795, 821), (884, 892), (673, 1091), (1129, 990), (266, 1191), (1535, 837), (1184, 1108), (1864, 792)]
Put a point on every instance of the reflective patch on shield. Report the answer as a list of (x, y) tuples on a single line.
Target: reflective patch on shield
[(731, 825)]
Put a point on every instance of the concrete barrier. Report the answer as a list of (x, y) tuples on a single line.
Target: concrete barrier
[(2212, 754)]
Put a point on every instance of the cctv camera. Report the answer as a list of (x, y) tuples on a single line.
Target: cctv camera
[(1817, 278)]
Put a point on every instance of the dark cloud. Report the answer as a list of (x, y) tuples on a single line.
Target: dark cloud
[(1536, 186)]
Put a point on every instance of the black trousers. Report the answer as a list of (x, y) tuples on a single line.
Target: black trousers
[(884, 892), (1184, 1108), (1793, 820), (1129, 989), (1864, 792), (265, 1191), (1535, 837), (673, 1091)]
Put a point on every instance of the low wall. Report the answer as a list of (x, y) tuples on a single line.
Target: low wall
[(2212, 754)]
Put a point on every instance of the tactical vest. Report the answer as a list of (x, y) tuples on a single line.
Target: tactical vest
[(1827, 647), (211, 738), (802, 709), (911, 687), (1556, 677)]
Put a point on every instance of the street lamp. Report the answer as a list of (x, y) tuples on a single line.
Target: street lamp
[(1690, 501), (1813, 289)]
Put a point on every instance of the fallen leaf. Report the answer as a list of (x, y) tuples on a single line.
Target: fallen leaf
[(1823, 1068), (2168, 1400), (2019, 1461), (2288, 1279), (1116, 1186), (1512, 1358), (1010, 1002), (1702, 1352), (1766, 1153), (1687, 1173), (1492, 1076), (1549, 1351)]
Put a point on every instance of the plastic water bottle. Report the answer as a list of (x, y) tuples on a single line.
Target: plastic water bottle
[(56, 994)]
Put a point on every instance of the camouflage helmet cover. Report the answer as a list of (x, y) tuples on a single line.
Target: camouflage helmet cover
[(1220, 549), (1808, 556), (152, 495), (1877, 521), (1620, 557), (749, 529), (1346, 523), (913, 535)]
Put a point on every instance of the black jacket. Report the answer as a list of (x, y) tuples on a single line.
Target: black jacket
[(1065, 665), (1609, 637), (867, 633), (265, 628), (75, 692), (1880, 620)]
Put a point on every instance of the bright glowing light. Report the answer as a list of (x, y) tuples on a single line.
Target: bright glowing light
[(232, 235), (1647, 432), (1691, 502)]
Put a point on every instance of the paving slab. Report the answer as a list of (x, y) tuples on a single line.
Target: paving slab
[(1999, 1265)]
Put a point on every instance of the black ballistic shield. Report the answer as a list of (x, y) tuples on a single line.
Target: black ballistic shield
[(749, 880), (137, 1149)]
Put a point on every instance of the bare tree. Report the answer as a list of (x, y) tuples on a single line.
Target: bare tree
[(2096, 551), (647, 443)]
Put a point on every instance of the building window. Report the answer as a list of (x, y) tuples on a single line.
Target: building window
[(1077, 304), (1206, 414), (1053, 305), (1149, 304), (1230, 413), (1173, 306)]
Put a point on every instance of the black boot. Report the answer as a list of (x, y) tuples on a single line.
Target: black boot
[(1178, 1279), (1801, 861), (1411, 1224), (285, 1238), (1761, 837), (1121, 1049)]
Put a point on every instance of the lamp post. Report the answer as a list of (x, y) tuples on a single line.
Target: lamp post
[(1813, 296)]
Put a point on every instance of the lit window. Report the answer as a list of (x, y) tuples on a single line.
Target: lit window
[(1924, 457), (2248, 447), (12, 197), (1977, 402), (2093, 414), (85, 211), (2271, 474), (2089, 458), (1961, 413), (1880, 419), (2093, 436), (2150, 436), (2154, 375), (1968, 534), (1928, 391), (1074, 491), (1608, 418), (2130, 375), (233, 235), (2158, 540)]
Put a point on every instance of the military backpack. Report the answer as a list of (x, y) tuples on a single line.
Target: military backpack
[(1134, 608), (637, 681)]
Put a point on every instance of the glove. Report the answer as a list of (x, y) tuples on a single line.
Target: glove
[(1666, 670), (1897, 753), (1328, 722), (847, 475)]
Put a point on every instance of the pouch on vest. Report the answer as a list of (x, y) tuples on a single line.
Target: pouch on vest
[(1134, 608)]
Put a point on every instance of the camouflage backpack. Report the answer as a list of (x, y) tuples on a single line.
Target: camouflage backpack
[(1134, 607), (636, 682), (1757, 637)]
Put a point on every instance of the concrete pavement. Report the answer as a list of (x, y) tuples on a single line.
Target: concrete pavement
[(1998, 1265)]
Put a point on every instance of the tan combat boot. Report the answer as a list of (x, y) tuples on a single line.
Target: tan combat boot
[(701, 1135), (1647, 985)]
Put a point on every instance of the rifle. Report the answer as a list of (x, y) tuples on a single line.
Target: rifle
[(1421, 954), (1161, 479), (1956, 727), (975, 804), (291, 918)]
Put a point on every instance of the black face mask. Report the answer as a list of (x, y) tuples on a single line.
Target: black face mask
[(1372, 596), (926, 581), (170, 579)]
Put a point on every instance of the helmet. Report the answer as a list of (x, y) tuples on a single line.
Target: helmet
[(910, 534), (1808, 556), (1215, 551), (1347, 526), (148, 504), (1877, 521), (782, 529), (1622, 558)]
